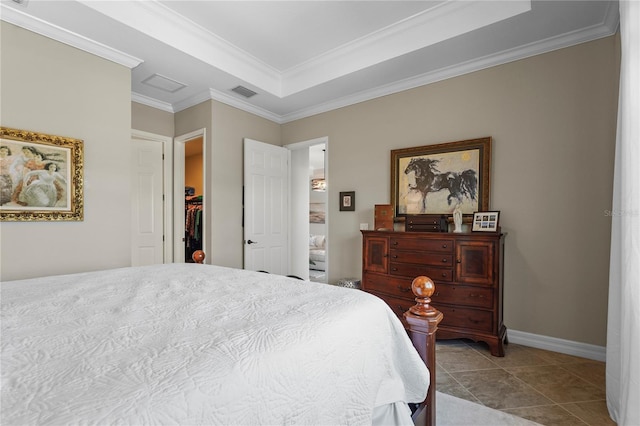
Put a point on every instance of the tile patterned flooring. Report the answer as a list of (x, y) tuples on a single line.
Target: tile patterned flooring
[(546, 387)]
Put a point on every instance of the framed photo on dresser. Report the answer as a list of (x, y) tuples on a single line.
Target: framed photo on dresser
[(485, 221)]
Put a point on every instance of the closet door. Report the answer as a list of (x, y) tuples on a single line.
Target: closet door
[(147, 226)]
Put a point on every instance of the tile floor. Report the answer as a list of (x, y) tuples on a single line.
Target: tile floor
[(549, 388)]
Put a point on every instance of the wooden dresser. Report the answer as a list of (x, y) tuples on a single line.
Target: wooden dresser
[(467, 269)]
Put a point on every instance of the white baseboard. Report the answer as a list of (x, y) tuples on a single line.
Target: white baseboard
[(583, 350)]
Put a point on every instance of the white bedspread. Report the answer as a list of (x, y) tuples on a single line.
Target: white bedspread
[(199, 344)]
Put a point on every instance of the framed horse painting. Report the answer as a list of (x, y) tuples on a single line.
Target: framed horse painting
[(437, 179)]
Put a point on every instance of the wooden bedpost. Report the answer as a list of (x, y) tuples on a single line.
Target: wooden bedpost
[(423, 321), (198, 256)]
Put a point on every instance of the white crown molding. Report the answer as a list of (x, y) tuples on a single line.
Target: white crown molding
[(241, 104), (569, 347), (36, 25), (216, 95), (444, 21), (447, 20), (161, 23), (153, 103), (606, 28), (612, 16)]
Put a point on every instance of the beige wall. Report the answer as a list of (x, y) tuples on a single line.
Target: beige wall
[(51, 88), (230, 127), (151, 120), (225, 127), (553, 120)]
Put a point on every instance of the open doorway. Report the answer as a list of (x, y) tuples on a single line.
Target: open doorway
[(317, 214), (309, 242), (193, 197), (189, 189)]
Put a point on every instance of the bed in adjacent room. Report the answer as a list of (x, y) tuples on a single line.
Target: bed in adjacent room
[(201, 344), (317, 253)]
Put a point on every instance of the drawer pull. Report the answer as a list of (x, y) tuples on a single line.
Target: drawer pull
[(479, 296), (395, 256), (444, 274), (394, 269), (403, 289), (395, 243), (458, 260), (444, 260), (444, 246), (474, 321), (437, 293)]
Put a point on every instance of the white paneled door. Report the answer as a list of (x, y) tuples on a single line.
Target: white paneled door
[(147, 222), (266, 207)]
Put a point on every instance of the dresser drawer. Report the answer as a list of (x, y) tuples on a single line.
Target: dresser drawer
[(422, 258), (465, 318), (395, 286), (463, 295), (440, 245), (413, 270), (419, 227)]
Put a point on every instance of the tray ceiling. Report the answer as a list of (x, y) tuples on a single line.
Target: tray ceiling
[(299, 58)]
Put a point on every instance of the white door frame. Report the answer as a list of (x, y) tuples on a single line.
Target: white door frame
[(178, 193), (167, 150), (306, 144)]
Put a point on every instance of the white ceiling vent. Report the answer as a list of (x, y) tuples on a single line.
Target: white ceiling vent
[(163, 83), (243, 91)]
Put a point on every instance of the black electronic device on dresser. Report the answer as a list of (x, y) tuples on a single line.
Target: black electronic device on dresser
[(467, 269), (426, 223)]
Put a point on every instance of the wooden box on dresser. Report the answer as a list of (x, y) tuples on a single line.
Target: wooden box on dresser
[(467, 269)]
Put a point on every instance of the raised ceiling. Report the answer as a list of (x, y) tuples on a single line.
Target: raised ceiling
[(305, 57)]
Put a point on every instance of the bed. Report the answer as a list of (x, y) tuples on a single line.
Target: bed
[(317, 252), (202, 344)]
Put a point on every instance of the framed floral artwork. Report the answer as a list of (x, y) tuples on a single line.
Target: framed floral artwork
[(41, 177)]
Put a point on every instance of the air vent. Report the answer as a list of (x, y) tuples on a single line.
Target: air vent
[(243, 91), (163, 83)]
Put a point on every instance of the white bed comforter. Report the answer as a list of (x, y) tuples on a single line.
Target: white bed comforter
[(199, 344)]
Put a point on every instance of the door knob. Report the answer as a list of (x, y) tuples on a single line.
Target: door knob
[(251, 242)]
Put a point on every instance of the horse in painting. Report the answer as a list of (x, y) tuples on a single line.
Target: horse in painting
[(427, 178)]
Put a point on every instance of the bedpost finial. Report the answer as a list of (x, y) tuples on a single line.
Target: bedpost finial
[(423, 287), (198, 256)]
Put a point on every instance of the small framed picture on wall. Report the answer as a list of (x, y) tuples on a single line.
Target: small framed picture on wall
[(485, 221), (348, 201)]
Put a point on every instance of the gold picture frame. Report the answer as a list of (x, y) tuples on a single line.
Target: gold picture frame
[(41, 177), (434, 179)]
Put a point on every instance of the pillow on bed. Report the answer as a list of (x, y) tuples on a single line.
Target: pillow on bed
[(316, 241)]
